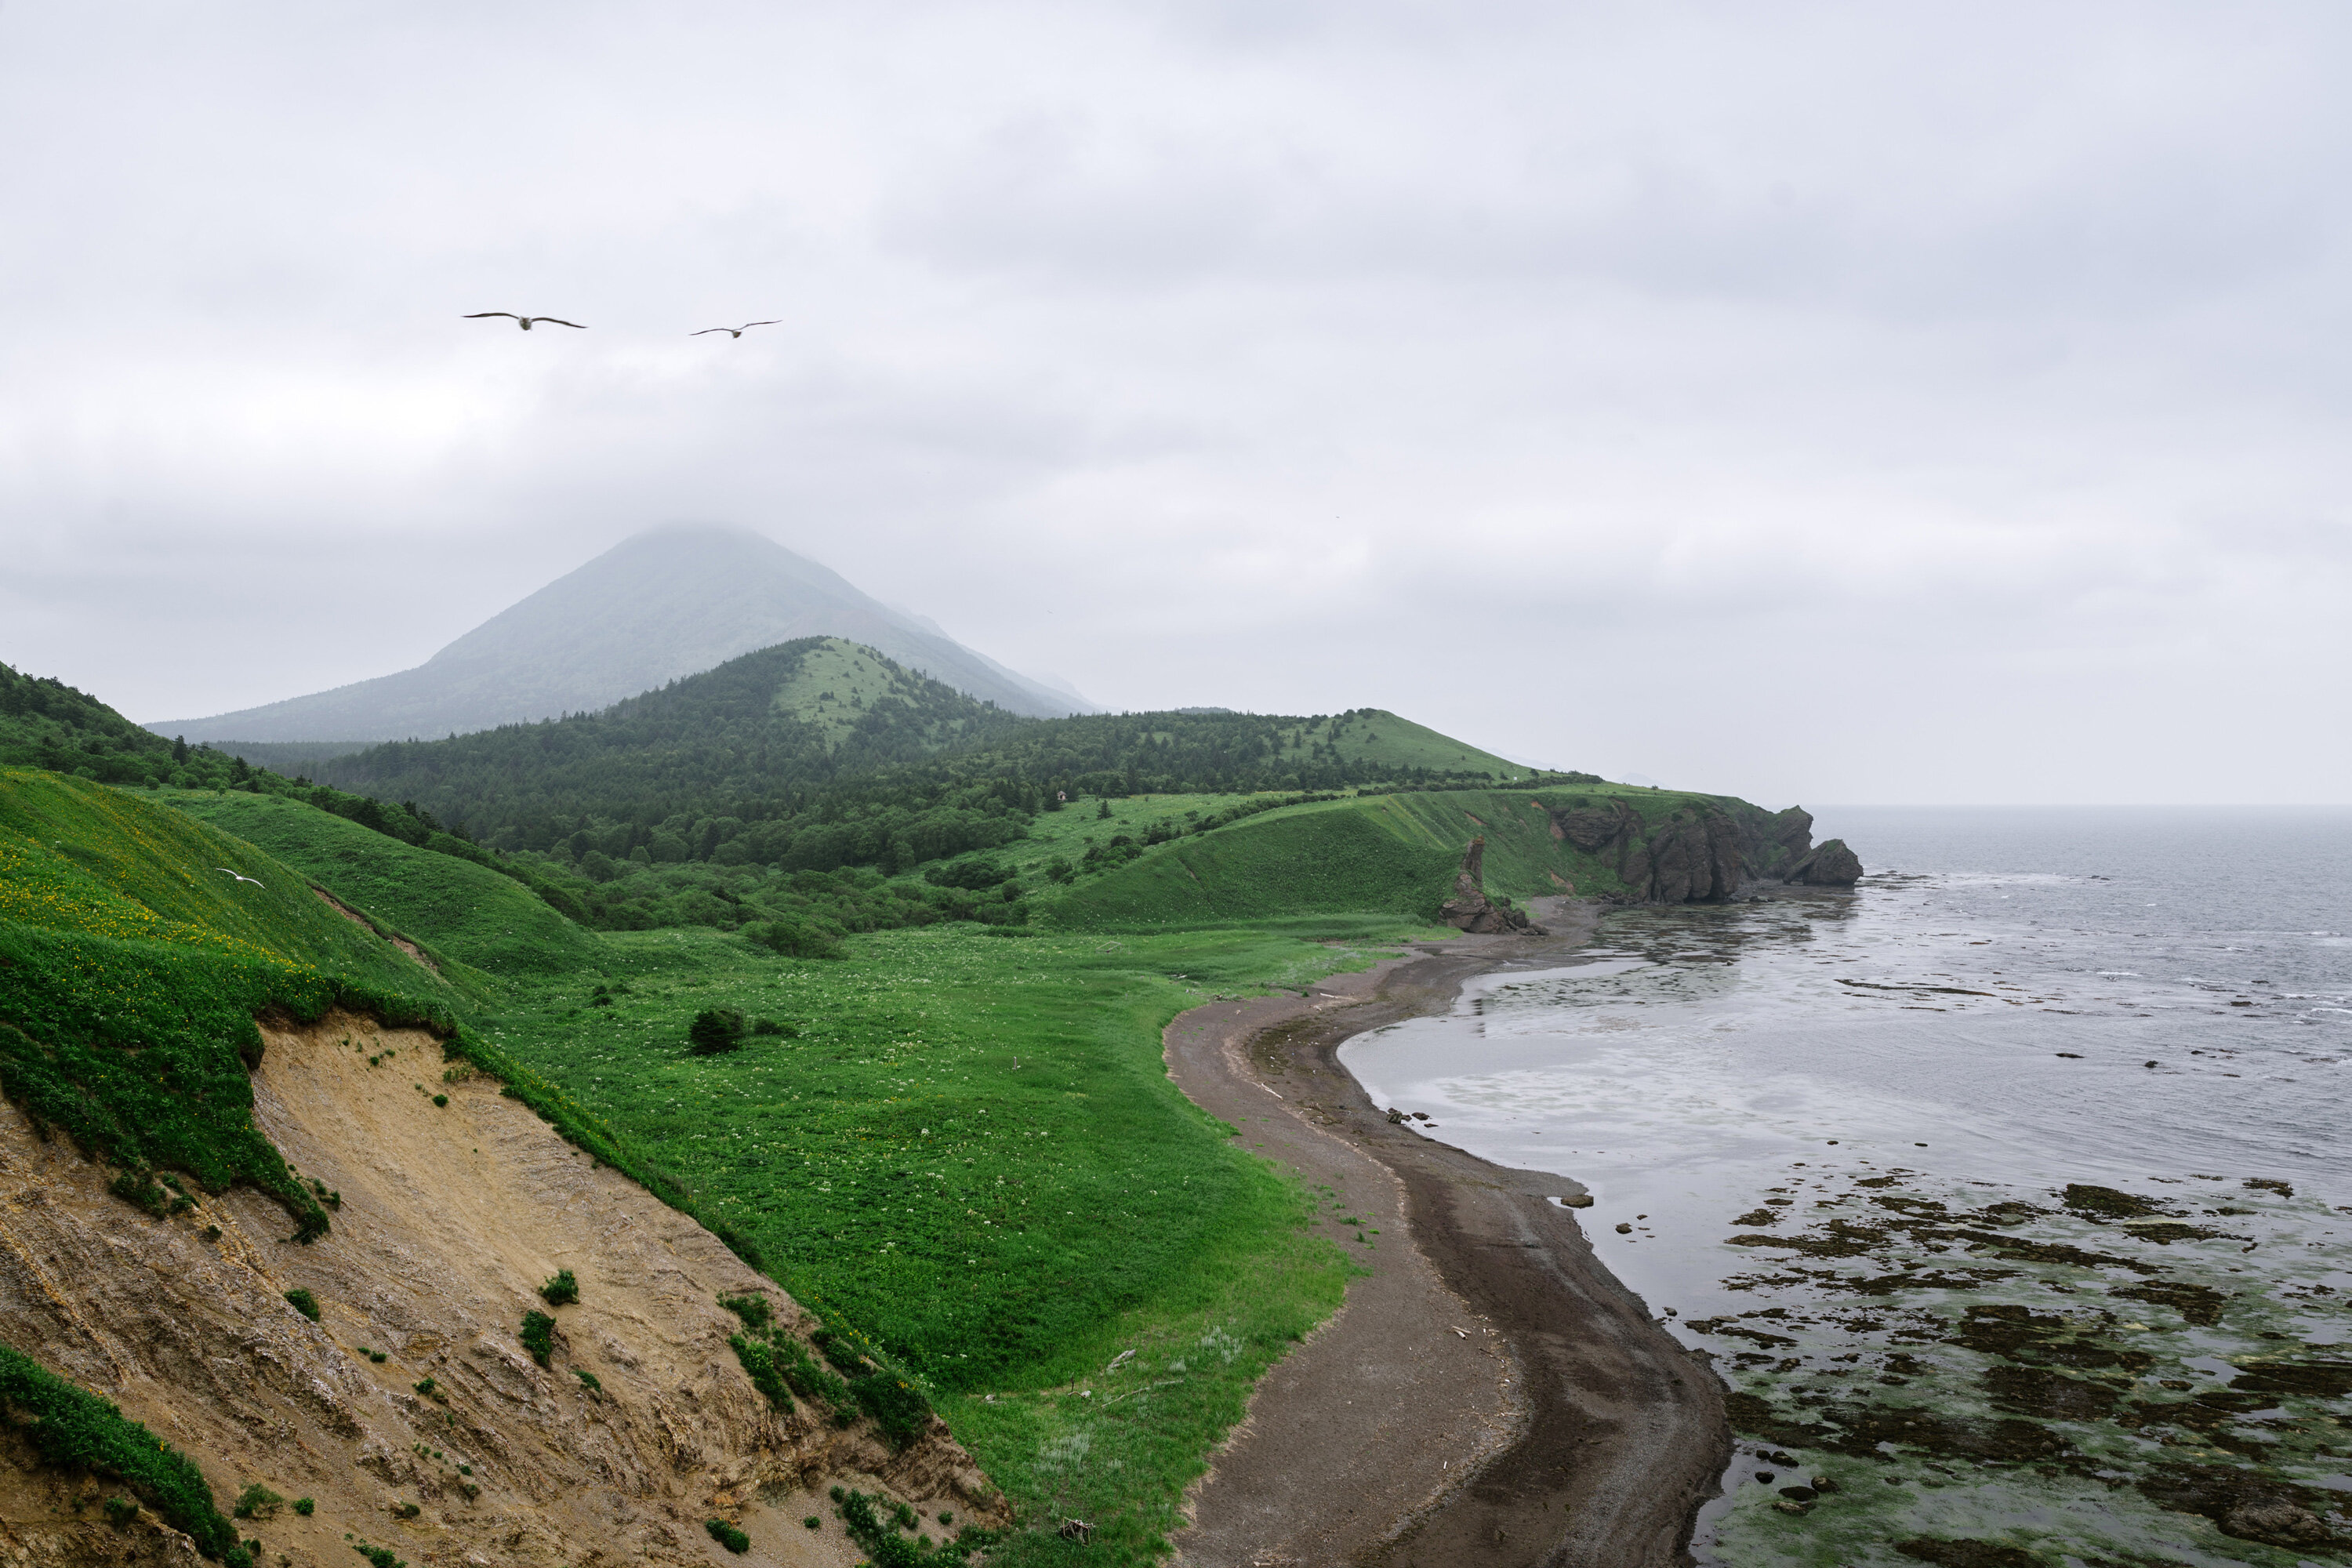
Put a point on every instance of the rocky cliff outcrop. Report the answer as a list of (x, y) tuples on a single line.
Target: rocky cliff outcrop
[(1469, 909), (409, 1410), (1830, 865), (1696, 854), (1700, 853)]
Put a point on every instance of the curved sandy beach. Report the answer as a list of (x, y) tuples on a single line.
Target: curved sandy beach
[(1489, 1394)]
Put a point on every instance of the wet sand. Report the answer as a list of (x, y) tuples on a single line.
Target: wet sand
[(1489, 1394)]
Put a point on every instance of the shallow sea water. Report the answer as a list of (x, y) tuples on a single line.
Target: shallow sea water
[(1897, 1158)]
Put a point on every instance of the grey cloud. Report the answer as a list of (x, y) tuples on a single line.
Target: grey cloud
[(1558, 375)]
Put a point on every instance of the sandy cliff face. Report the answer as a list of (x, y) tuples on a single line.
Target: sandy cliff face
[(450, 1218)]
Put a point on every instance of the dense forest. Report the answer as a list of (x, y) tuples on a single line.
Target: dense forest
[(716, 768)]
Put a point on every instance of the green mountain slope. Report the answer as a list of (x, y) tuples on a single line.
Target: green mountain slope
[(455, 909), (779, 722), (820, 753)]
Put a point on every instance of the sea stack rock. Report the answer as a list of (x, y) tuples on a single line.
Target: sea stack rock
[(1830, 865), (1469, 909)]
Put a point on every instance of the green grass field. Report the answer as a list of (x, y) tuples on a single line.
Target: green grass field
[(971, 1150), (1392, 853), (455, 909), (80, 856)]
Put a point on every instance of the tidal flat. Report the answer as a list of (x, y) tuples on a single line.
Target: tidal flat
[(2006, 1193)]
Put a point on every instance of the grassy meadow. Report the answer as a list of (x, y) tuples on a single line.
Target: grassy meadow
[(964, 1143), (455, 909)]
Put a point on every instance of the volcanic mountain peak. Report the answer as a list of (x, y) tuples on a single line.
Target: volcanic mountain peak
[(667, 602)]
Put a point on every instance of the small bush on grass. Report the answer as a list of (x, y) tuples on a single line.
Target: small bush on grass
[(793, 938), (302, 1301), (562, 1290), (538, 1335), (715, 1031), (727, 1535)]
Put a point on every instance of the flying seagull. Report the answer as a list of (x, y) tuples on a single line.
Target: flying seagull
[(524, 321), (239, 876), (734, 331)]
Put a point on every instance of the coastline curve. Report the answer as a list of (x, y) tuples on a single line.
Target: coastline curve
[(1488, 1392)]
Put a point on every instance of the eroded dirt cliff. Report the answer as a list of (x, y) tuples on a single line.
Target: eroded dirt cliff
[(450, 1218)]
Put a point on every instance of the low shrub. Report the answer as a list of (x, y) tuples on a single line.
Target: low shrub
[(897, 1406), (715, 1031), (305, 1507), (792, 938), (120, 1511), (727, 1535), (140, 1190), (257, 1501), (302, 1301), (805, 1377), (562, 1290), (886, 1548), (755, 1310), (759, 1363), (538, 1335)]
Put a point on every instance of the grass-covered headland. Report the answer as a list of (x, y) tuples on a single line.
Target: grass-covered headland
[(865, 976)]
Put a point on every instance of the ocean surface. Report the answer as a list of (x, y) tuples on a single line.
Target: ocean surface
[(2010, 1191)]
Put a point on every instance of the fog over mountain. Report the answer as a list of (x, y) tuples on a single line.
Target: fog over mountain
[(667, 602)]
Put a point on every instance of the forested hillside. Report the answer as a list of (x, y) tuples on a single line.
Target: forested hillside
[(820, 754)]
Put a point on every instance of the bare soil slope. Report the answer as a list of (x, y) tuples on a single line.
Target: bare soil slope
[(450, 1218)]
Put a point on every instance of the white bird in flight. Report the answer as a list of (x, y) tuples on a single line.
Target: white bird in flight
[(734, 331), (524, 321), (241, 877)]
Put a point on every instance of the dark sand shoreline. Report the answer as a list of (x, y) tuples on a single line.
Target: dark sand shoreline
[(1489, 1394)]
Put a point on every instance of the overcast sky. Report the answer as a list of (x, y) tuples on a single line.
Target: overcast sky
[(1818, 403)]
